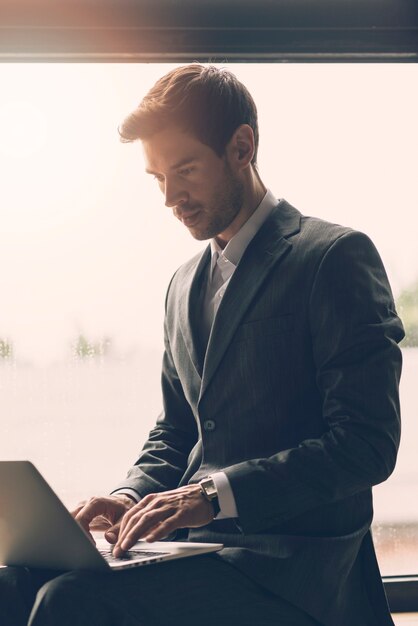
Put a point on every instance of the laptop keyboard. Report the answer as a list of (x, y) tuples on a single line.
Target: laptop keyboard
[(130, 554)]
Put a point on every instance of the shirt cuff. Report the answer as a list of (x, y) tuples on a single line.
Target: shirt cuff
[(127, 491), (225, 496)]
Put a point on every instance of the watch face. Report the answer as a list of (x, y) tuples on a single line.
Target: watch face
[(209, 488)]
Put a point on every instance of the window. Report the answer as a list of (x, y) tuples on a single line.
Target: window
[(88, 249)]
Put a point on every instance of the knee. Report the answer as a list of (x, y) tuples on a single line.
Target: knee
[(59, 588), (59, 600), (17, 593)]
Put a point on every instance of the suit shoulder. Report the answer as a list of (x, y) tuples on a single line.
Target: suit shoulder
[(313, 232), (321, 232), (318, 237), (313, 239), (327, 235)]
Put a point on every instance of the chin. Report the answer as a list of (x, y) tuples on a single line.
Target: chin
[(199, 236)]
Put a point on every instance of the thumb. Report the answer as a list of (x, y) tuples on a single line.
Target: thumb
[(112, 533)]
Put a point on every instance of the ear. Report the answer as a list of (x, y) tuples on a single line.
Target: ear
[(240, 148)]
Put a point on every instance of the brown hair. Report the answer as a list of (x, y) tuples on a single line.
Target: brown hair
[(210, 103)]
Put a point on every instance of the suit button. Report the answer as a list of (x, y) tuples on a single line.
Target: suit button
[(209, 425)]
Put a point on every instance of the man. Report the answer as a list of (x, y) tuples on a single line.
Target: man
[(280, 392)]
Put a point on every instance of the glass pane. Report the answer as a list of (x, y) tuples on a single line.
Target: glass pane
[(88, 249)]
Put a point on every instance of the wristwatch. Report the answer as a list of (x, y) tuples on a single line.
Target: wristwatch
[(209, 491)]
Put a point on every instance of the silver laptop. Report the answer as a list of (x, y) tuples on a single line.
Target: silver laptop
[(36, 530)]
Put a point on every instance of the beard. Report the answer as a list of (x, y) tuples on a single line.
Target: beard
[(221, 208)]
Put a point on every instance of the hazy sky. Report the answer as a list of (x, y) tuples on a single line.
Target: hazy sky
[(86, 242)]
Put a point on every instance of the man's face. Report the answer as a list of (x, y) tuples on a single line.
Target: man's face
[(202, 189)]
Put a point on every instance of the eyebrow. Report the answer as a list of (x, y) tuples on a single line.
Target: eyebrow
[(181, 163)]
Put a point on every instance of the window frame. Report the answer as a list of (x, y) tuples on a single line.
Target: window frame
[(167, 31)]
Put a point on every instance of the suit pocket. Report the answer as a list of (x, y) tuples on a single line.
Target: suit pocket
[(264, 328)]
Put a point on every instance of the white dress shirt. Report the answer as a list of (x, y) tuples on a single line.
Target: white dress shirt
[(223, 265)]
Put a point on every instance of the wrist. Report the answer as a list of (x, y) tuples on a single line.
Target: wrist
[(128, 500)]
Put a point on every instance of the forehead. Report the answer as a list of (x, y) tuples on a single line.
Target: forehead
[(169, 147)]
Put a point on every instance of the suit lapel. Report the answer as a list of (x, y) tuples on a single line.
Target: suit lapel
[(267, 249), (189, 309)]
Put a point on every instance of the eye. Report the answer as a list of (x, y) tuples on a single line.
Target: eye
[(159, 178), (185, 171)]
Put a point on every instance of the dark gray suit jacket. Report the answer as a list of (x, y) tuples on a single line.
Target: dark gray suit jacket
[(296, 399)]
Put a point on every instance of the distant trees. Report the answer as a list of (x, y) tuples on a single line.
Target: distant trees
[(81, 348), (407, 305), (84, 348), (6, 349)]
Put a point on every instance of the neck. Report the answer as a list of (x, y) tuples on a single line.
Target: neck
[(254, 192), (257, 188)]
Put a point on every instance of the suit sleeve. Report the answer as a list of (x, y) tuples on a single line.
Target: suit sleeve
[(354, 331), (164, 457)]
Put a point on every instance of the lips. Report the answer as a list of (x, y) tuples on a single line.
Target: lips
[(189, 219)]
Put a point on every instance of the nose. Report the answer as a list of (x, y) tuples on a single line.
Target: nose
[(174, 193)]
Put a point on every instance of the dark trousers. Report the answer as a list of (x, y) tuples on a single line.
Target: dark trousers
[(202, 590)]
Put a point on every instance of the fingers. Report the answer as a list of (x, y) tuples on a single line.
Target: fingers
[(86, 514), (135, 511), (112, 533), (158, 533), (100, 523), (138, 526), (143, 522), (102, 513), (142, 525), (78, 508), (158, 515), (164, 529)]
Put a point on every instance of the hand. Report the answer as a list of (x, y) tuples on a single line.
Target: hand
[(159, 514), (103, 513)]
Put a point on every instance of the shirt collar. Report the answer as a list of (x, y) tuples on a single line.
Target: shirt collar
[(236, 247)]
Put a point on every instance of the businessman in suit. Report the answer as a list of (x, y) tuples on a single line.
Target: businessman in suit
[(280, 398)]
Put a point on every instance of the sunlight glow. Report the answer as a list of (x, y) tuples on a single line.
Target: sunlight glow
[(23, 130), (80, 220)]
